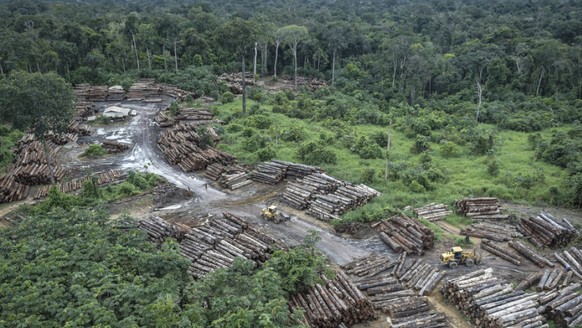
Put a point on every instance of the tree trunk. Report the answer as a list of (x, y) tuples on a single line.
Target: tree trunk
[(176, 54), (149, 58), (394, 64), (123, 63), (48, 160), (333, 66), (134, 44), (387, 155), (276, 57), (264, 59), (295, 65), (244, 86), (164, 54), (540, 82), (480, 95), (255, 61), (1, 70)]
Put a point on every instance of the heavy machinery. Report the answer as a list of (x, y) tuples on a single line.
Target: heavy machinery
[(458, 256), (272, 214)]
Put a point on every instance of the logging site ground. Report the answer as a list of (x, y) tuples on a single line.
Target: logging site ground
[(192, 199)]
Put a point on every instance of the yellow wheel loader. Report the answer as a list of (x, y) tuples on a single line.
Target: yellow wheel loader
[(272, 214), (458, 256)]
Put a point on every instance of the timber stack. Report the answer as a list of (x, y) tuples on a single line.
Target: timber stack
[(115, 93), (194, 116), (545, 230), (158, 229), (344, 199), (432, 212), (144, 89), (564, 306), (234, 81), (530, 254), (85, 109), (80, 129), (296, 170), (492, 230), (571, 260), (333, 303), (164, 120), (182, 146), (404, 234), (37, 174), (217, 243), (91, 93), (501, 251), (11, 190), (480, 208), (113, 147), (77, 184), (271, 172), (491, 302), (235, 180), (214, 171)]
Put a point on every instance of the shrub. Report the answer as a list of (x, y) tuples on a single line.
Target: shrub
[(366, 148), (368, 175), (255, 142), (421, 144), (493, 166), (266, 154), (449, 149), (94, 151), (259, 121), (294, 133), (227, 97), (316, 154)]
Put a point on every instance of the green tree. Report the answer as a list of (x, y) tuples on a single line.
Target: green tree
[(292, 35), (240, 35), (40, 102)]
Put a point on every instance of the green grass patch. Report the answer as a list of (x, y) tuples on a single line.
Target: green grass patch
[(458, 220), (414, 179), (438, 231), (94, 151)]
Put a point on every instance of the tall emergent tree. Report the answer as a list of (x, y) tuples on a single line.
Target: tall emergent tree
[(292, 35), (240, 35), (37, 102)]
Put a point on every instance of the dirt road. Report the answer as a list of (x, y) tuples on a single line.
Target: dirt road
[(144, 155)]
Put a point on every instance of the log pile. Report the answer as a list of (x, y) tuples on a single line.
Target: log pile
[(404, 234), (91, 93), (214, 171), (269, 172), (295, 170), (195, 116), (182, 146), (33, 152), (114, 147), (563, 306), (12, 191), (144, 89), (164, 120), (480, 208), (530, 254), (37, 174), (378, 275), (326, 207), (545, 230), (85, 109), (571, 260), (230, 177), (234, 81), (491, 302), (158, 229), (432, 212), (333, 303), (492, 230), (77, 184), (115, 92), (501, 251), (80, 129), (217, 243)]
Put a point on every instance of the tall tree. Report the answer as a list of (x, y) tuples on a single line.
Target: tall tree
[(292, 35), (39, 103), (240, 35)]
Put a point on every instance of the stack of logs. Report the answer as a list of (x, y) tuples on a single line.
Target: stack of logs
[(432, 212), (395, 286), (234, 81), (501, 251), (216, 244), (113, 146), (78, 183), (269, 172), (91, 93), (214, 171), (333, 303), (564, 306), (80, 129), (164, 119), (116, 92), (159, 229), (491, 302), (404, 234), (194, 116), (344, 199), (492, 230), (144, 89), (530, 254), (545, 230), (480, 208), (378, 276), (182, 146), (232, 177), (12, 191), (85, 109), (571, 260)]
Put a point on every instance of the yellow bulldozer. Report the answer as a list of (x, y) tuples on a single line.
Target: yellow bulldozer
[(458, 256), (272, 214)]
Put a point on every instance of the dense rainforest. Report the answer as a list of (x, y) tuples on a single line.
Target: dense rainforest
[(426, 101)]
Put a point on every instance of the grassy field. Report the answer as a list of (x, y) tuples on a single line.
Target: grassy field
[(519, 179)]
